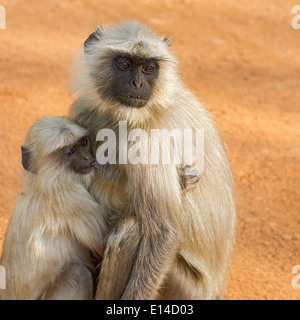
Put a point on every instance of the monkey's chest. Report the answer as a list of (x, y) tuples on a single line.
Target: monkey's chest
[(110, 189)]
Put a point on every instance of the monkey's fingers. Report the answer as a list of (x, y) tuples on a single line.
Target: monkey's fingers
[(189, 188), (188, 170), (183, 170), (190, 182), (192, 179)]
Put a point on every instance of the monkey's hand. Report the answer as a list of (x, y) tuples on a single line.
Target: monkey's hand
[(189, 178)]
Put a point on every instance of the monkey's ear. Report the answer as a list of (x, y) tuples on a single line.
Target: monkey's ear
[(93, 37), (26, 158), (167, 41)]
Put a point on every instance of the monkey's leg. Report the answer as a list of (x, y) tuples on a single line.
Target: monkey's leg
[(74, 283), (152, 264), (185, 283), (119, 256)]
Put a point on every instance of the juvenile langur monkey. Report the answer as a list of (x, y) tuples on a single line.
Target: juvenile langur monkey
[(163, 243), (56, 224)]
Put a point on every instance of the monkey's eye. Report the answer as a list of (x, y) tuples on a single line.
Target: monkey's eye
[(149, 69), (84, 142), (70, 152), (124, 65)]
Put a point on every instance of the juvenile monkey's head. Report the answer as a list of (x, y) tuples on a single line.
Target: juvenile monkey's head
[(127, 67), (56, 143)]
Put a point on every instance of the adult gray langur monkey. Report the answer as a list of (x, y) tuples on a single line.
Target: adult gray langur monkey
[(163, 243), (56, 225)]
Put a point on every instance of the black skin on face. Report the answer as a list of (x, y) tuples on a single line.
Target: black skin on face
[(133, 80), (78, 157)]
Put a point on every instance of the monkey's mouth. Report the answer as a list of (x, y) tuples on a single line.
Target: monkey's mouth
[(132, 100), (96, 165), (86, 170)]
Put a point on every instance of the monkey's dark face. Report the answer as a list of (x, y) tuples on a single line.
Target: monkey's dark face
[(78, 157), (133, 80)]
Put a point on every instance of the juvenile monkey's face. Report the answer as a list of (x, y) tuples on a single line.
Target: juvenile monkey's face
[(55, 143), (78, 156)]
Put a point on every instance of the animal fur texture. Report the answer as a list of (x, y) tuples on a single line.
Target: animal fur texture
[(180, 244), (55, 224)]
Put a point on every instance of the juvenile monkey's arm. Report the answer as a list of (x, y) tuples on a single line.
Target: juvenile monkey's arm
[(89, 228)]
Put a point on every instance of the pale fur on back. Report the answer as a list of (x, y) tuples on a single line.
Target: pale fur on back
[(206, 215)]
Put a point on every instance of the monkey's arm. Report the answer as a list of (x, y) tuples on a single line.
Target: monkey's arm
[(157, 208), (151, 265), (119, 256), (88, 225)]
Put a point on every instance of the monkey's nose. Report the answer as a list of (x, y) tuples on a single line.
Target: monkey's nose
[(137, 83)]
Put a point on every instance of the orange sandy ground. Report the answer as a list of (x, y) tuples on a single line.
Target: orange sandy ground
[(240, 57)]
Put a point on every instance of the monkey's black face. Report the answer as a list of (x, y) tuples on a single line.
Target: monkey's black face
[(133, 80), (78, 157)]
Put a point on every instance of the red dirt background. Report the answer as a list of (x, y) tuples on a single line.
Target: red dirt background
[(241, 58)]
